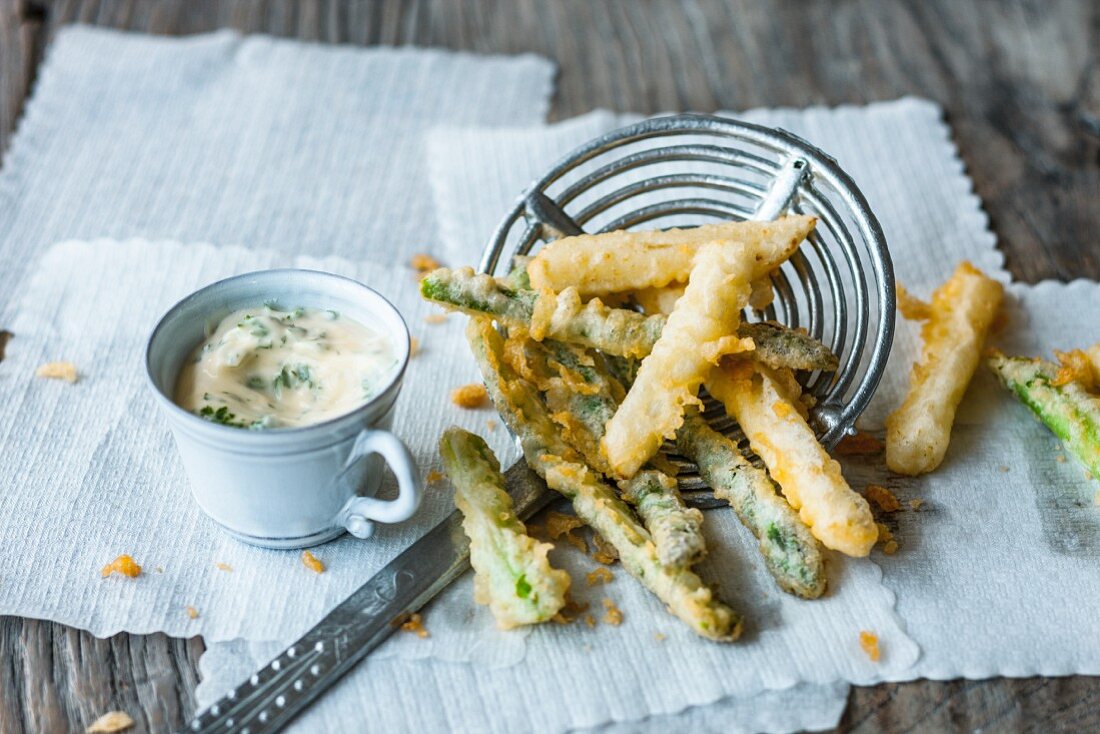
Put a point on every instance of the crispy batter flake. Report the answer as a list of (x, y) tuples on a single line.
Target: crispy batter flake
[(124, 565), (58, 371), (110, 722), (859, 444), (433, 477), (192, 612), (916, 503), (414, 346), (559, 524), (598, 576), (1075, 367), (911, 307), (415, 625), (868, 641), (570, 612), (312, 562), (224, 567), (470, 396), (435, 319), (612, 615), (423, 263), (890, 548), (605, 553), (882, 497)]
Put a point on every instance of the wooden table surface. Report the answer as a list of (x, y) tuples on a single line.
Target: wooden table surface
[(1020, 82)]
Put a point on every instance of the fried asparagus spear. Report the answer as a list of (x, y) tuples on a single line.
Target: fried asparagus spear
[(614, 331), (956, 323), (791, 553), (677, 529), (615, 262), (811, 480), (1068, 410), (512, 574), (593, 500)]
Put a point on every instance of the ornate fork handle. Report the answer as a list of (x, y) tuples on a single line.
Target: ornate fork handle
[(276, 693)]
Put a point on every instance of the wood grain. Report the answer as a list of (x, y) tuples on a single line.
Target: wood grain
[(1020, 84)]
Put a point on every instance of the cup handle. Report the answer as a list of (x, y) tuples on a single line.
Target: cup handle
[(359, 512)]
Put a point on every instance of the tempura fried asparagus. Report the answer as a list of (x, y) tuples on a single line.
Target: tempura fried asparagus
[(811, 480), (699, 331), (677, 530), (1069, 411), (582, 414), (679, 588), (613, 331), (957, 321), (512, 573), (594, 501), (790, 551), (615, 262)]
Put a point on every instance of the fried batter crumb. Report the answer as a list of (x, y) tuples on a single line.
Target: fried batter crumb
[(605, 553), (423, 263), (612, 615), (859, 444), (312, 562), (415, 624), (435, 319), (570, 612), (590, 620), (1074, 367), (414, 346), (599, 576), (192, 613), (491, 424), (1004, 469), (911, 307), (110, 722), (124, 565), (58, 371), (660, 636), (1060, 458), (916, 503), (886, 538), (433, 477), (882, 497), (869, 642), (470, 396), (558, 524), (224, 567)]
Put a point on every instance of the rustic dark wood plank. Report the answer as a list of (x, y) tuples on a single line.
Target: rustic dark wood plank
[(57, 679), (1020, 83)]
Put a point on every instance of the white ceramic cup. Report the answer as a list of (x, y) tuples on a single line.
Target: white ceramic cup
[(288, 487)]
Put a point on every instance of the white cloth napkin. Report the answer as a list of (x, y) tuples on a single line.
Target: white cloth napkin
[(418, 696), (274, 144)]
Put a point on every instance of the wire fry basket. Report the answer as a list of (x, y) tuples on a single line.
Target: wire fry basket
[(687, 170)]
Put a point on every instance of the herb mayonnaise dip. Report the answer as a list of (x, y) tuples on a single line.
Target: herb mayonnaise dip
[(268, 368)]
